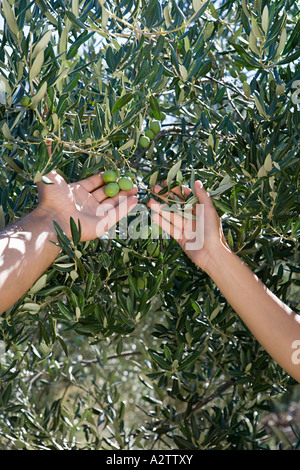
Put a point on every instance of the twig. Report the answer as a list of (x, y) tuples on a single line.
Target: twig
[(145, 32), (114, 356), (211, 397), (227, 85)]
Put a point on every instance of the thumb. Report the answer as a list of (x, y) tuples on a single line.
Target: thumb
[(50, 178), (48, 142), (202, 194)]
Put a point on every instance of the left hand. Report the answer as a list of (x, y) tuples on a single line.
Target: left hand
[(84, 200)]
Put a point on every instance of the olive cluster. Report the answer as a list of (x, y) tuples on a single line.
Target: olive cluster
[(151, 131), (114, 184)]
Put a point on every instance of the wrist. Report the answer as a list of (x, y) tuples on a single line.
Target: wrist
[(217, 259), (46, 216)]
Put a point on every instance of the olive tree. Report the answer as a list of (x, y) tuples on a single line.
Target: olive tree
[(123, 343)]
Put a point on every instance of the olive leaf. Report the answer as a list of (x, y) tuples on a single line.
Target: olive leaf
[(10, 17), (265, 19), (122, 101), (36, 66), (155, 108), (31, 307), (41, 44), (153, 178), (173, 172), (39, 284), (39, 95), (6, 131), (282, 42)]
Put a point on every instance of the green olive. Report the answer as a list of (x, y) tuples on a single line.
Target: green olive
[(155, 126), (109, 176), (149, 133), (140, 283), (112, 189), (144, 141), (25, 101), (125, 183)]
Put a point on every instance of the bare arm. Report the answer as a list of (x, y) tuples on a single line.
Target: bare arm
[(25, 253), (275, 325), (26, 250)]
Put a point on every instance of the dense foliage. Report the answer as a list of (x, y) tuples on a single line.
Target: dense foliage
[(113, 347)]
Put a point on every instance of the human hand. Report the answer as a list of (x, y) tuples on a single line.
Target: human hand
[(199, 237), (84, 200)]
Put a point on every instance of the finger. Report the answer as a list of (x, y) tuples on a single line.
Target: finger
[(185, 190), (173, 218), (167, 227), (181, 191), (52, 177), (48, 143), (156, 189), (166, 196), (92, 183), (109, 203), (202, 194), (117, 213), (101, 196)]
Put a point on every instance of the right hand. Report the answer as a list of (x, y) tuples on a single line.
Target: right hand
[(210, 237)]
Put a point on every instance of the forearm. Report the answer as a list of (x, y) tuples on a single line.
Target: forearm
[(273, 324), (26, 252)]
